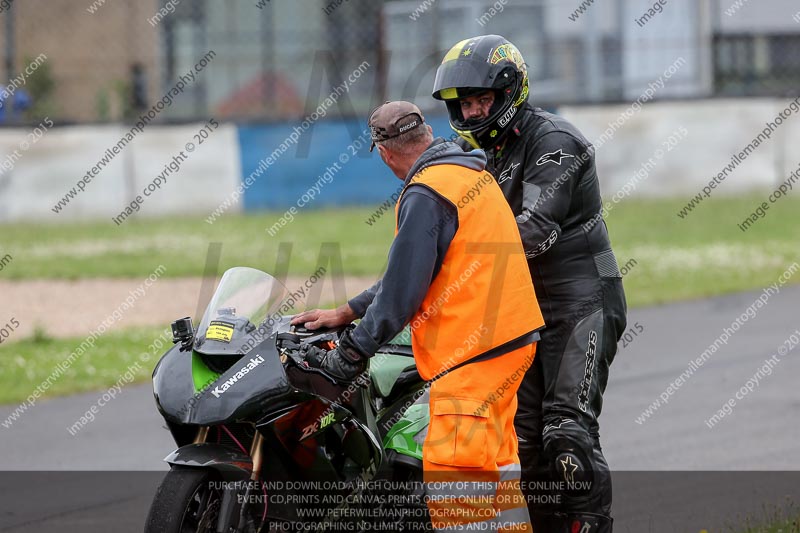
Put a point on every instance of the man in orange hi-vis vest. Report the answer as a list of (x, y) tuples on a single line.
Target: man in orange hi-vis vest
[(457, 274)]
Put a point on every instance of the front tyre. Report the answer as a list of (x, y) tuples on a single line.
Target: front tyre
[(185, 502)]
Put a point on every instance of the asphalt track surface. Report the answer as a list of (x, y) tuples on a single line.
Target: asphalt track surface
[(661, 465)]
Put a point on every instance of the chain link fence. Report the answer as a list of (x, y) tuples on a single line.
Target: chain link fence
[(91, 61)]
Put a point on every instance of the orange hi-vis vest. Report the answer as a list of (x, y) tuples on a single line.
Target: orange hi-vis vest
[(483, 295)]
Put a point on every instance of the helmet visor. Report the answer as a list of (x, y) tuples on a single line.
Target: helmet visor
[(458, 79)]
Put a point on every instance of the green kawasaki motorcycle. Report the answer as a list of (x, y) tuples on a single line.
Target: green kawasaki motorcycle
[(266, 443)]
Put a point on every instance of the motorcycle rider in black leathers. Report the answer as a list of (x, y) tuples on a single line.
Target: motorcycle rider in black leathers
[(546, 170)]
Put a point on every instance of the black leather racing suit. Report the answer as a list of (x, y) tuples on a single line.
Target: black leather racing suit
[(546, 170)]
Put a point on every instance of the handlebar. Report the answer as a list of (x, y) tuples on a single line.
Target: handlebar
[(293, 344)]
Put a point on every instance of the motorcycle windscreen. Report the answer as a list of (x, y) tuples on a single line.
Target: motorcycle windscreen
[(242, 313)]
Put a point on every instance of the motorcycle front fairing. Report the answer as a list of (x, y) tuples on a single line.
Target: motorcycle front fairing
[(231, 366), (256, 379)]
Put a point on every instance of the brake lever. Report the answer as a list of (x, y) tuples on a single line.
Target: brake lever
[(305, 337), (292, 347)]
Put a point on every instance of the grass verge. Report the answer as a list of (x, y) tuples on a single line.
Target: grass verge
[(96, 250), (28, 363), (667, 258), (776, 519)]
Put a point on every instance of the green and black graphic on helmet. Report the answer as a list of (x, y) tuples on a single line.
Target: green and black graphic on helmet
[(474, 66)]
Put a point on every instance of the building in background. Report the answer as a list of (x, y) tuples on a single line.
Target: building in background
[(90, 57), (268, 66), (275, 60), (757, 48)]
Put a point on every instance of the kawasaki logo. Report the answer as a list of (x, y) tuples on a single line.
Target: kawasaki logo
[(231, 381)]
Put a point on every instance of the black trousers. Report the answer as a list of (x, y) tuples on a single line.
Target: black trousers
[(565, 476)]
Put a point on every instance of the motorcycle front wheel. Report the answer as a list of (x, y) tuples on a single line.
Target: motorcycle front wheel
[(187, 501)]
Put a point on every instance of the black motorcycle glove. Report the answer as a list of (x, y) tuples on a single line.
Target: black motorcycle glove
[(344, 363)]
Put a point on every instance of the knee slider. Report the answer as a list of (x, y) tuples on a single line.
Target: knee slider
[(568, 451)]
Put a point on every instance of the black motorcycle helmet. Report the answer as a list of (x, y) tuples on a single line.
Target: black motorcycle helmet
[(473, 66)]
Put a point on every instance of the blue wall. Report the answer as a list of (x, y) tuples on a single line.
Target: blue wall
[(362, 180)]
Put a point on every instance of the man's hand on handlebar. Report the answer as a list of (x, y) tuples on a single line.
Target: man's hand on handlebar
[(325, 318), (344, 363)]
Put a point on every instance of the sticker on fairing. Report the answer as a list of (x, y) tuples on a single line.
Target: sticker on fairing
[(219, 331)]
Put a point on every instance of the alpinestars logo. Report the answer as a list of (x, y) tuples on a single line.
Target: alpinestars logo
[(231, 381), (553, 157), (569, 467), (508, 174), (552, 426), (586, 384)]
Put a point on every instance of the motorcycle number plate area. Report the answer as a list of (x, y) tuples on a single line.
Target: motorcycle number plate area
[(220, 331)]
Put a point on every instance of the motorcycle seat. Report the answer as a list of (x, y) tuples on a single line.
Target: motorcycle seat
[(385, 369)]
